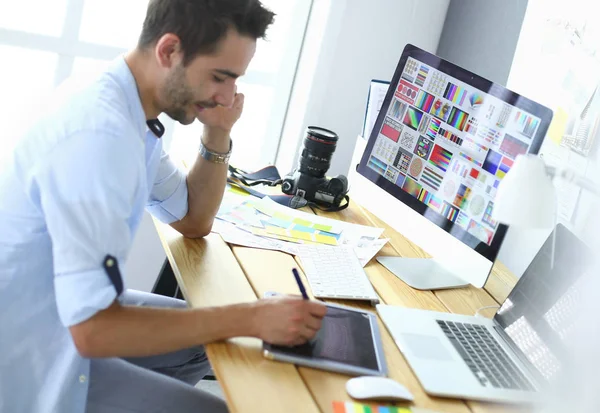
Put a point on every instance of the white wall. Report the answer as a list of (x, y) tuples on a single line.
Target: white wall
[(350, 42)]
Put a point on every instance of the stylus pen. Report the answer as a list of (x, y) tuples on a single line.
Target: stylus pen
[(300, 285)]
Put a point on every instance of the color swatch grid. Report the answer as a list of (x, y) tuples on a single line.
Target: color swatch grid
[(455, 94), (450, 136), (441, 158)]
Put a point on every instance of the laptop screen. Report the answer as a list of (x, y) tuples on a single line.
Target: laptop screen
[(539, 313)]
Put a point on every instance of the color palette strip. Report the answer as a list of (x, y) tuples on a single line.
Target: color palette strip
[(455, 93), (458, 119), (349, 407)]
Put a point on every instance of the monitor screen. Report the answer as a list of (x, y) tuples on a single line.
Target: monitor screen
[(443, 141), (540, 312)]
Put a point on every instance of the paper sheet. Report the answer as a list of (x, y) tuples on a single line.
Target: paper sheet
[(376, 97), (364, 240)]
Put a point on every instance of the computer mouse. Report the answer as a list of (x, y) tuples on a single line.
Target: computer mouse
[(377, 388)]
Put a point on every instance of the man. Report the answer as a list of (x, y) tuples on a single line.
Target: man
[(71, 198)]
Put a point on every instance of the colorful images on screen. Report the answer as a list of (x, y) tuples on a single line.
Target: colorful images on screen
[(441, 109), (492, 162), (434, 128), (377, 165), (450, 136), (445, 143), (450, 212), (409, 140), (411, 187), (463, 220), (391, 129), (423, 148), (412, 118), (391, 174), (402, 160), (480, 232), (424, 101), (476, 100), (410, 70), (487, 216), (407, 92), (440, 157), (504, 167), (512, 147), (416, 167), (455, 94), (458, 119), (431, 178), (422, 75), (527, 124), (470, 159), (435, 203), (462, 196), (397, 109), (472, 125)]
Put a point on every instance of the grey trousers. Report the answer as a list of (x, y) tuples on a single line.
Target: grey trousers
[(156, 384)]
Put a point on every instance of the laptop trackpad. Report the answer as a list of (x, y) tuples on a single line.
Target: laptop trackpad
[(427, 347)]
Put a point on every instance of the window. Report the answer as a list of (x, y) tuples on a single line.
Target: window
[(66, 37), (557, 60)]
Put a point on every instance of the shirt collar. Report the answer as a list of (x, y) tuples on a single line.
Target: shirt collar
[(123, 76)]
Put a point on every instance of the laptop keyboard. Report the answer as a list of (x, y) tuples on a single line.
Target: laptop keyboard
[(484, 356)]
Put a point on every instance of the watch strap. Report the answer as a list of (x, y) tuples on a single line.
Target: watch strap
[(215, 157)]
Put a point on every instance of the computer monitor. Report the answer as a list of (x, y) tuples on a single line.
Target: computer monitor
[(443, 141)]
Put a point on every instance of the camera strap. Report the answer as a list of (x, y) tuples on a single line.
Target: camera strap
[(270, 176)]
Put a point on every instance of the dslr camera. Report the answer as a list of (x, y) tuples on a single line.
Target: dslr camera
[(308, 181)]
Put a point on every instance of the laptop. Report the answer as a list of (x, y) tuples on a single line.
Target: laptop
[(511, 357)]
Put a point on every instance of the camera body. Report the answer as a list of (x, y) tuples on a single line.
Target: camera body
[(308, 180), (324, 191)]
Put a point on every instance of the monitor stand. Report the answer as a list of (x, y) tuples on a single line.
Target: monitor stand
[(422, 273)]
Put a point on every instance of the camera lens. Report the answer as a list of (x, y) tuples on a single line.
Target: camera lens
[(319, 146)]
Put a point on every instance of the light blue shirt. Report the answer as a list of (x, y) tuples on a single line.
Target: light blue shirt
[(73, 191)]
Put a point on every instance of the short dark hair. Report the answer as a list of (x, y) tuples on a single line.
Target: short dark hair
[(201, 24)]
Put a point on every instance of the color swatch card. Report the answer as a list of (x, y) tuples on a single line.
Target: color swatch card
[(349, 407)]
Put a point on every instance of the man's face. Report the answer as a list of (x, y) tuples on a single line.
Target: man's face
[(207, 81)]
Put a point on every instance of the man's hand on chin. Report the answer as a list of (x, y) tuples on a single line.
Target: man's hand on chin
[(218, 123)]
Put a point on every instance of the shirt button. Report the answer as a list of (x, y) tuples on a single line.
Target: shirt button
[(82, 379)]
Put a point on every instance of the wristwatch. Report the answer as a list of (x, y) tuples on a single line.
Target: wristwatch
[(215, 157)]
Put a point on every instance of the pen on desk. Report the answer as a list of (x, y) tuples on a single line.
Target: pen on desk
[(299, 282)]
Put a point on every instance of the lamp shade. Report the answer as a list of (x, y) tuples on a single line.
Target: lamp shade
[(526, 196)]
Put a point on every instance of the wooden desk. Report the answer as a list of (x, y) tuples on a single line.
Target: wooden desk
[(211, 273)]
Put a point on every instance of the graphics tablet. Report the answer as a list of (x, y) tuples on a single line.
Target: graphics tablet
[(349, 342)]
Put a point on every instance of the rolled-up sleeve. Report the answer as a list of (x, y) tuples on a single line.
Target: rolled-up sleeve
[(87, 191), (168, 199)]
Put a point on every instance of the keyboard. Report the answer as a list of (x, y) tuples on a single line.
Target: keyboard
[(487, 360), (335, 272)]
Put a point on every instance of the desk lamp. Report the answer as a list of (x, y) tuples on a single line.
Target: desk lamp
[(526, 196)]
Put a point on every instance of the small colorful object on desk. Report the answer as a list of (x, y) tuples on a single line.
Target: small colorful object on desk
[(350, 407)]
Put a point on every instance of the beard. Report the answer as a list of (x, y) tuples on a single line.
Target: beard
[(179, 96)]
